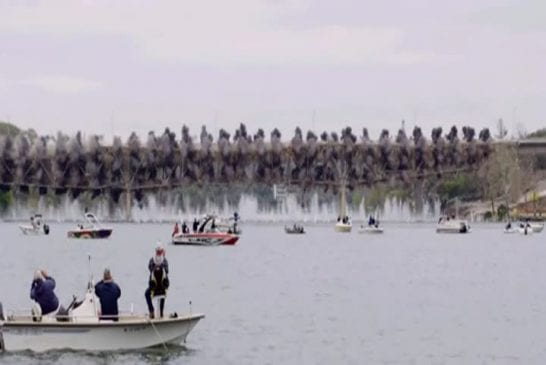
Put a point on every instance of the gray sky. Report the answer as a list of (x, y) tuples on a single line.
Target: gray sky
[(116, 66)]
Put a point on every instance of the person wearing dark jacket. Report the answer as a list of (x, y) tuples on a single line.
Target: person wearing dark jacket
[(108, 293), (42, 291), (158, 281)]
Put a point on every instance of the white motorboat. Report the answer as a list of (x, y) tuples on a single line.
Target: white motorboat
[(36, 226), (511, 230), (524, 231), (82, 329), (537, 226), (203, 233), (343, 221), (93, 229), (452, 225), (370, 229)]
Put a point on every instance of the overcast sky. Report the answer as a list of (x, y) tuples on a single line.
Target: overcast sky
[(111, 67)]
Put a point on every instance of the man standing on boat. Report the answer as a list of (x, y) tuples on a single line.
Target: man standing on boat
[(42, 291), (108, 293), (158, 282)]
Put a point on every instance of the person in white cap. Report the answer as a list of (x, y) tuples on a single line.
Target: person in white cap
[(158, 282)]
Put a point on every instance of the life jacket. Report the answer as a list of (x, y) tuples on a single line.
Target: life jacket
[(159, 281)]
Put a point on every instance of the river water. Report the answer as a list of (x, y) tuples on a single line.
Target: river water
[(409, 296)]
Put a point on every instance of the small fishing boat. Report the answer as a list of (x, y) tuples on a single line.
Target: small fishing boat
[(452, 225), (372, 227), (81, 328), (203, 233), (295, 229), (524, 231), (343, 223), (93, 229), (36, 226), (524, 228)]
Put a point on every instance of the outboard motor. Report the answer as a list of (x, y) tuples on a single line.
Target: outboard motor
[(46, 229)]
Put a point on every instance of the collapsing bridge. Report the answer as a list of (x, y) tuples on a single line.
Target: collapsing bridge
[(70, 165)]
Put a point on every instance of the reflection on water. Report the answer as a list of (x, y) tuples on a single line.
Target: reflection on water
[(407, 296)]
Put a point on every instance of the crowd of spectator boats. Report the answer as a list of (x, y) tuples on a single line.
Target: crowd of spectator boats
[(95, 331)]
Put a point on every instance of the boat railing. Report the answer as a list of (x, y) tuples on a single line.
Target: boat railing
[(125, 316), (67, 318)]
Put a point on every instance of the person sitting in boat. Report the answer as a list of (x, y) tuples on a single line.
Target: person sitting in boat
[(158, 282), (108, 293), (508, 225), (185, 228), (338, 218), (42, 292), (371, 221), (195, 225)]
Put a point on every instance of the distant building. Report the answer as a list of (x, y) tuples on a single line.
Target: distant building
[(531, 205)]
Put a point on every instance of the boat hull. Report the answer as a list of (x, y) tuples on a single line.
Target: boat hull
[(371, 230), (451, 230), (537, 227), (345, 228), (102, 336), (453, 226), (90, 233), (205, 239), (294, 232), (31, 231)]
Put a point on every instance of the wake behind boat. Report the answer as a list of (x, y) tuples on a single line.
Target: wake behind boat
[(36, 226), (203, 233), (93, 229), (81, 329)]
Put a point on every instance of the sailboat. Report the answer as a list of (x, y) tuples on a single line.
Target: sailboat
[(343, 220)]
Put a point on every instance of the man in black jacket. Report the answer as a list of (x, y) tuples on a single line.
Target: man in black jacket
[(108, 293)]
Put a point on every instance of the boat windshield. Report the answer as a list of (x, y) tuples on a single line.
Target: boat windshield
[(91, 219)]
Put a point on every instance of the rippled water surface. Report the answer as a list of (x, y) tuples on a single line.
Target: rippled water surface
[(410, 296)]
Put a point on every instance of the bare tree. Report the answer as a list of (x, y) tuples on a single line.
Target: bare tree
[(501, 129)]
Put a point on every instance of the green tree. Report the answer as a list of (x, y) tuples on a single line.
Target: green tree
[(8, 129)]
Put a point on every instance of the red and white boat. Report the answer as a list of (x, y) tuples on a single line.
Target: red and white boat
[(93, 229), (204, 233)]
